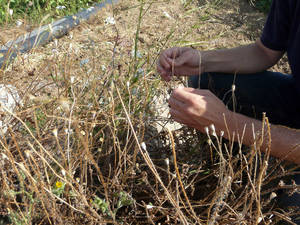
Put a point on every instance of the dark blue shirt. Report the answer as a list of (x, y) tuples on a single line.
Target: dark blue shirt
[(282, 33)]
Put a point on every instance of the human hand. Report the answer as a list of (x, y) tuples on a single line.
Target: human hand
[(198, 109), (178, 61)]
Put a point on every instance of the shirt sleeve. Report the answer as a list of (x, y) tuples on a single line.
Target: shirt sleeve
[(277, 28)]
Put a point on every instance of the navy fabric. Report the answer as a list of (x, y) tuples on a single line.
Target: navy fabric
[(254, 94), (282, 33), (274, 93), (269, 92)]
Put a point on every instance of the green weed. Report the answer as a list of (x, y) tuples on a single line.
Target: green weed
[(35, 10)]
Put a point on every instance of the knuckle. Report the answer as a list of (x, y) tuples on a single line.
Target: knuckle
[(192, 102), (189, 111)]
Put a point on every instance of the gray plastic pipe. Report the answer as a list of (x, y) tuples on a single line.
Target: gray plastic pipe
[(47, 33)]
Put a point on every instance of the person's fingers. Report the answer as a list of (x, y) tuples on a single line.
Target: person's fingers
[(178, 116), (172, 52), (169, 56), (181, 121), (164, 59), (160, 69), (188, 94), (203, 92), (175, 61), (163, 73), (182, 118), (184, 94), (166, 77), (164, 62), (172, 55), (176, 104), (180, 61), (185, 56), (175, 52)]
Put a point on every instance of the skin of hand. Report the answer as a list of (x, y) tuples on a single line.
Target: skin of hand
[(184, 61), (198, 109), (245, 59)]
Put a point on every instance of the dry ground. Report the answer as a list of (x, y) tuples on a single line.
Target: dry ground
[(80, 96), (213, 24)]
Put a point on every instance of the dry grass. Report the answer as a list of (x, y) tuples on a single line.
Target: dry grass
[(83, 147)]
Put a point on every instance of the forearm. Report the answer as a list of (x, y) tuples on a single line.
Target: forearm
[(251, 58), (285, 142)]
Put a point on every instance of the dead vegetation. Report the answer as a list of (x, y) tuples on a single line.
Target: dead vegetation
[(83, 147)]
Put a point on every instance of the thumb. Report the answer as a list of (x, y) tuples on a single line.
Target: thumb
[(179, 61)]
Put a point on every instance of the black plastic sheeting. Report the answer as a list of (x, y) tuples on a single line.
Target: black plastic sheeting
[(47, 33)]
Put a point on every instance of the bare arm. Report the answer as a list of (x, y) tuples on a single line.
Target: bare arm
[(200, 108), (251, 58), (285, 142)]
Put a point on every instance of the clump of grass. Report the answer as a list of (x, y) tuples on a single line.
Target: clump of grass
[(35, 10), (82, 148)]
